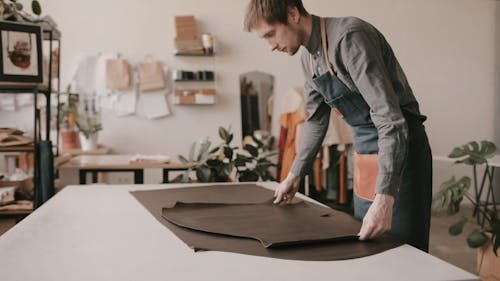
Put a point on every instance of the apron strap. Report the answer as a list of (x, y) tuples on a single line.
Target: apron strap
[(325, 50), (325, 46)]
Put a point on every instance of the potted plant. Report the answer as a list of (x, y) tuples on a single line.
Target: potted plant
[(225, 162), (67, 118), (254, 164), (210, 165), (88, 126), (486, 236)]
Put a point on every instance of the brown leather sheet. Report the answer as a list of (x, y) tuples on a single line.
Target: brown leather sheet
[(155, 200), (272, 225)]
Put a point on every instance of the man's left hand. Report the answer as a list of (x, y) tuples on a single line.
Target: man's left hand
[(378, 219)]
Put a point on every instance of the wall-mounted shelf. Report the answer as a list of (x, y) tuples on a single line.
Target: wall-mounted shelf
[(193, 80), (195, 97), (178, 54), (18, 148)]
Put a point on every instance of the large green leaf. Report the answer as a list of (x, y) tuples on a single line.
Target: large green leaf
[(229, 139), (183, 160), (476, 239), (214, 150), (204, 174), (450, 195), (228, 152), (191, 153), (246, 176), (251, 149), (223, 134), (474, 153), (457, 228), (214, 163), (241, 160), (36, 8), (257, 141)]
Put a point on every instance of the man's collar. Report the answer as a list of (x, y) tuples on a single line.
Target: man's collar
[(315, 38)]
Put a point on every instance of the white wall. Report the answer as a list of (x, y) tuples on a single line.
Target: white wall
[(448, 49)]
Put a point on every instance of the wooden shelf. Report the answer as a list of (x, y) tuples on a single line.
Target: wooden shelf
[(193, 55), (194, 80), (28, 88), (17, 209), (19, 148), (11, 213)]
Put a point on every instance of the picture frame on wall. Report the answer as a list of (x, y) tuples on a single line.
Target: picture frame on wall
[(21, 58)]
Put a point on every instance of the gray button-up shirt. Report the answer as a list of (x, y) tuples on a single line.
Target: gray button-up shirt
[(365, 63)]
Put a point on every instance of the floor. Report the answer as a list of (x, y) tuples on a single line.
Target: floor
[(452, 249)]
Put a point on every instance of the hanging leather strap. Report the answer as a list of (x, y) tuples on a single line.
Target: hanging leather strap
[(325, 46), (324, 43)]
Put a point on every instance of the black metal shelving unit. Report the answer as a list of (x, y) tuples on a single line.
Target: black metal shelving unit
[(41, 181)]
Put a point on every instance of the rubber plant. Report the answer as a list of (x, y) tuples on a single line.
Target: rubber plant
[(254, 164), (452, 192), (220, 163), (210, 165)]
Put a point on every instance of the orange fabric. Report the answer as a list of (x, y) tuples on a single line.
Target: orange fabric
[(342, 189), (289, 121), (365, 175), (317, 174), (339, 114)]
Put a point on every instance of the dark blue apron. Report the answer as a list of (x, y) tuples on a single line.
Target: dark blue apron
[(411, 212)]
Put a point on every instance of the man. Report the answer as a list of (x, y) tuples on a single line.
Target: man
[(349, 66)]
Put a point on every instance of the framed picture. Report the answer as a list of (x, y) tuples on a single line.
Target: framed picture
[(21, 54)]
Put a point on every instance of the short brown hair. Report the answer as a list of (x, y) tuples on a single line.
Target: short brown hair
[(272, 11)]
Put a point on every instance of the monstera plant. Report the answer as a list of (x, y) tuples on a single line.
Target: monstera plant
[(452, 192)]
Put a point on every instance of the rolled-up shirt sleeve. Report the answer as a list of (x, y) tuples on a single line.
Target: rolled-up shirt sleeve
[(363, 59), (314, 130)]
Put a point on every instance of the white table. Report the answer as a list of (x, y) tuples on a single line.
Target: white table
[(103, 233)]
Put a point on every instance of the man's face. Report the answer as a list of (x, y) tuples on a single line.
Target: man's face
[(281, 37)]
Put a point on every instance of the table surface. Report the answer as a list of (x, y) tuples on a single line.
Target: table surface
[(102, 233), (115, 162), (100, 150)]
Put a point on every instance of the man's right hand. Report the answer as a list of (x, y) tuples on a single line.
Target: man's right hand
[(287, 189)]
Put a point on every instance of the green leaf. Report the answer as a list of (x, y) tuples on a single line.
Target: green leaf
[(223, 134), (457, 227), (191, 153), (203, 174), (214, 150), (258, 142), (476, 239), (227, 169), (240, 160), (251, 149), (488, 149), (228, 152), (474, 153), (214, 163), (229, 139), (247, 176), (36, 8), (450, 195), (183, 160)]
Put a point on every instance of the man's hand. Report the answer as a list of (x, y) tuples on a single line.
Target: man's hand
[(287, 189), (378, 219)]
